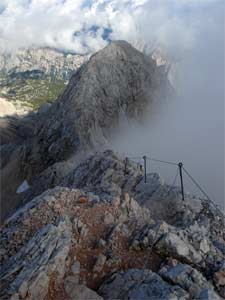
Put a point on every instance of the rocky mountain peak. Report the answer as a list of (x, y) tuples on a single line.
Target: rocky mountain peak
[(119, 49), (118, 80), (86, 224)]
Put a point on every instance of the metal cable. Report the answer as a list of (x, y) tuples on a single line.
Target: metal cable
[(200, 188), (154, 159), (162, 161), (135, 162), (130, 157), (174, 181), (196, 183)]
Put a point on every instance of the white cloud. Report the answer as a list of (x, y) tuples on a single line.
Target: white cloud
[(171, 23)]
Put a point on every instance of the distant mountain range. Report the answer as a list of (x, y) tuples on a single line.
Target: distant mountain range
[(31, 77), (34, 76)]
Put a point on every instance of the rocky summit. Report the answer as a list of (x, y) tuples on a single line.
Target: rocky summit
[(116, 82), (91, 239), (78, 221)]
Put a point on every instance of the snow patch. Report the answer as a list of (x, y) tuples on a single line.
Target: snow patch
[(23, 187)]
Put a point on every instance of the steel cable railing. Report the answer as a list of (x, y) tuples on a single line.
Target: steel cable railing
[(180, 171)]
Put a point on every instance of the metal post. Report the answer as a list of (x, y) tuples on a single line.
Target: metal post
[(145, 168), (180, 165), (126, 163)]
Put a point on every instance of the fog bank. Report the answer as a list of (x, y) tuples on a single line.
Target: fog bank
[(189, 127)]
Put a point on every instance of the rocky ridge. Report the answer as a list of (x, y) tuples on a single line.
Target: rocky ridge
[(117, 81), (95, 230), (93, 240)]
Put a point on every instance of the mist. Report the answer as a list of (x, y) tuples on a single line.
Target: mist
[(190, 126)]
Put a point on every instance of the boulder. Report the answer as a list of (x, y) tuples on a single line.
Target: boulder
[(101, 259), (76, 268), (171, 245), (81, 292), (188, 278), (140, 284)]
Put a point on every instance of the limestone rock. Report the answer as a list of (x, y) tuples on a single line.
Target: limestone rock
[(208, 295), (76, 268), (130, 238), (188, 278), (47, 60), (81, 292), (172, 245), (101, 259), (6, 108), (219, 281), (70, 282), (140, 284), (28, 272), (108, 219)]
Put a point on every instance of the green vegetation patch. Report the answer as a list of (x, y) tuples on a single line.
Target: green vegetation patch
[(32, 91)]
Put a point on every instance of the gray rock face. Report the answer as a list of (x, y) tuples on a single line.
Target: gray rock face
[(140, 284), (36, 242), (98, 212), (172, 245), (189, 279), (29, 271), (81, 292), (104, 175), (118, 80), (47, 60)]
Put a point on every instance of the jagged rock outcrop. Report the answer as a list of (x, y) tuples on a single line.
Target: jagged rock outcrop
[(29, 272), (41, 243), (140, 284), (189, 279), (109, 246)]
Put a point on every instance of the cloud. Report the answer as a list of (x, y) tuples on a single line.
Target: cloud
[(190, 126), (68, 24)]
